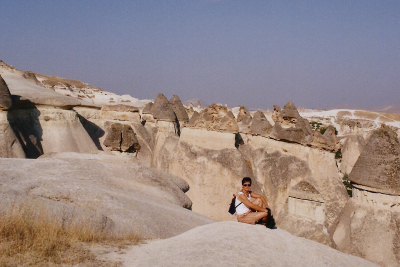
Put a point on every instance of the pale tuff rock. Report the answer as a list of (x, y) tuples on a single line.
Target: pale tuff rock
[(5, 96), (45, 130), (162, 110), (289, 112), (280, 166), (73, 90), (4, 65), (370, 230), (242, 113), (260, 125), (10, 146), (119, 112), (96, 123), (276, 115), (305, 190), (179, 109), (214, 118), (351, 126), (351, 150), (147, 113), (297, 134), (369, 223), (247, 120), (167, 127), (148, 108), (244, 120), (207, 139), (190, 111), (132, 197), (28, 93), (213, 173), (304, 213), (119, 108), (327, 141), (244, 125), (228, 123), (293, 127), (228, 239), (378, 166), (121, 137), (29, 75), (193, 121)]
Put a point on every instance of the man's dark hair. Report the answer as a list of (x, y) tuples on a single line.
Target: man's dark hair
[(246, 179)]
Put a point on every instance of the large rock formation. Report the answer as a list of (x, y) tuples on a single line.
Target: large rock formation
[(379, 164), (244, 120), (213, 175), (10, 146), (5, 97), (277, 114), (281, 166), (227, 239), (45, 130), (121, 137), (293, 127), (228, 123), (351, 150), (162, 109), (119, 112), (305, 213), (28, 94), (114, 190), (214, 118), (179, 109), (369, 224), (243, 112), (327, 141), (164, 115), (96, 122), (260, 125)]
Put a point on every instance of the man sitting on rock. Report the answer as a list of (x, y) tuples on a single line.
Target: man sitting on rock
[(249, 205)]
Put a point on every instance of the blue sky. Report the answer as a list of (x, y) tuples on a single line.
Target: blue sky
[(318, 54)]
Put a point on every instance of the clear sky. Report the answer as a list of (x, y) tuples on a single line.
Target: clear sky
[(256, 53)]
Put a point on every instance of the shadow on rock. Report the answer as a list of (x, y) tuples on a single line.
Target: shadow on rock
[(94, 131), (26, 126)]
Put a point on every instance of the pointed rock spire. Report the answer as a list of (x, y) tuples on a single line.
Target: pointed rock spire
[(162, 109), (260, 124), (148, 108), (379, 163), (5, 96), (178, 108), (289, 112), (242, 113)]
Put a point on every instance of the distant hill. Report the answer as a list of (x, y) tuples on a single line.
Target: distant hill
[(345, 106), (395, 108)]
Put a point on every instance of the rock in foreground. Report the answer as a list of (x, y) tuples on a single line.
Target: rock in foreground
[(118, 190), (237, 244)]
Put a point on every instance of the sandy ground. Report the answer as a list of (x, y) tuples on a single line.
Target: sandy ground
[(233, 244)]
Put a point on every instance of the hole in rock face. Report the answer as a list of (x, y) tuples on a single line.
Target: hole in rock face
[(238, 140)]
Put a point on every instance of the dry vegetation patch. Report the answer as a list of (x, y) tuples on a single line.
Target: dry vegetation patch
[(30, 235)]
